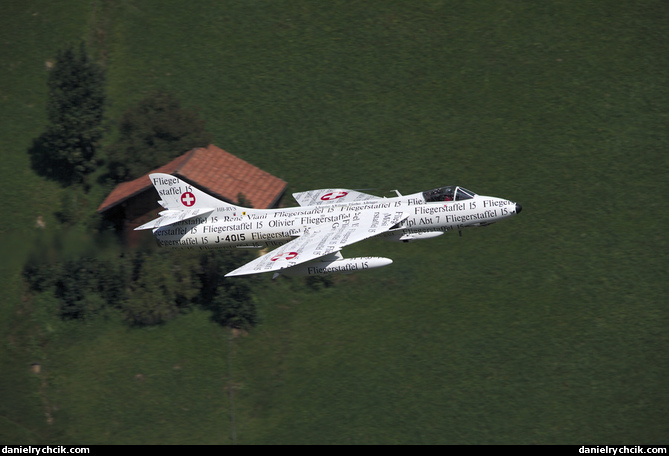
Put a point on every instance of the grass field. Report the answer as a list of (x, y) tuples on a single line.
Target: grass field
[(548, 328)]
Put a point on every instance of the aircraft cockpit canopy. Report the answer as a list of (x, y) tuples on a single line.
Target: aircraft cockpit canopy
[(450, 193)]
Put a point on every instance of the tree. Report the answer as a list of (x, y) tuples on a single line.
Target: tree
[(153, 133), (75, 109), (163, 284), (233, 305), (85, 286), (230, 300)]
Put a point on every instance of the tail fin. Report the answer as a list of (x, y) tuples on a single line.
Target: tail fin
[(182, 201), (179, 195)]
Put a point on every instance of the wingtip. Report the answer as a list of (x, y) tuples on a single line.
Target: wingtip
[(234, 273)]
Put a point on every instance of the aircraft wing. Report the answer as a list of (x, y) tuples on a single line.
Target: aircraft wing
[(324, 239), (330, 195)]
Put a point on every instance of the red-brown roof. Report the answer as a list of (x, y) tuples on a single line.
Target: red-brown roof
[(213, 170)]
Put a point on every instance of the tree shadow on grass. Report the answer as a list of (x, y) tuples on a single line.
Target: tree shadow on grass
[(44, 163)]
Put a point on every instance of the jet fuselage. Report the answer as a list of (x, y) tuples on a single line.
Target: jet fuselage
[(227, 228)]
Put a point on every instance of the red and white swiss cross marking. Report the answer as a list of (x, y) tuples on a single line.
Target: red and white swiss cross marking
[(333, 196), (285, 256), (188, 199)]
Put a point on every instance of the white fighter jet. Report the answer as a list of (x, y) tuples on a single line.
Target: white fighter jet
[(307, 240)]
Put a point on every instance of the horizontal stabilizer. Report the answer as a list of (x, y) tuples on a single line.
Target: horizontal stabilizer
[(174, 216)]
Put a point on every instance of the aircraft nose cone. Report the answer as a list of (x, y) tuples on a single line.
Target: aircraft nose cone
[(518, 208)]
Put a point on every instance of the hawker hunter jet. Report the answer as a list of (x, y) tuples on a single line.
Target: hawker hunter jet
[(307, 240)]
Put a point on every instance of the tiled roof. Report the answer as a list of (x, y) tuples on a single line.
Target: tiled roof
[(213, 170)]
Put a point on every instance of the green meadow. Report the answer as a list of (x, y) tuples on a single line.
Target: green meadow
[(549, 328)]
